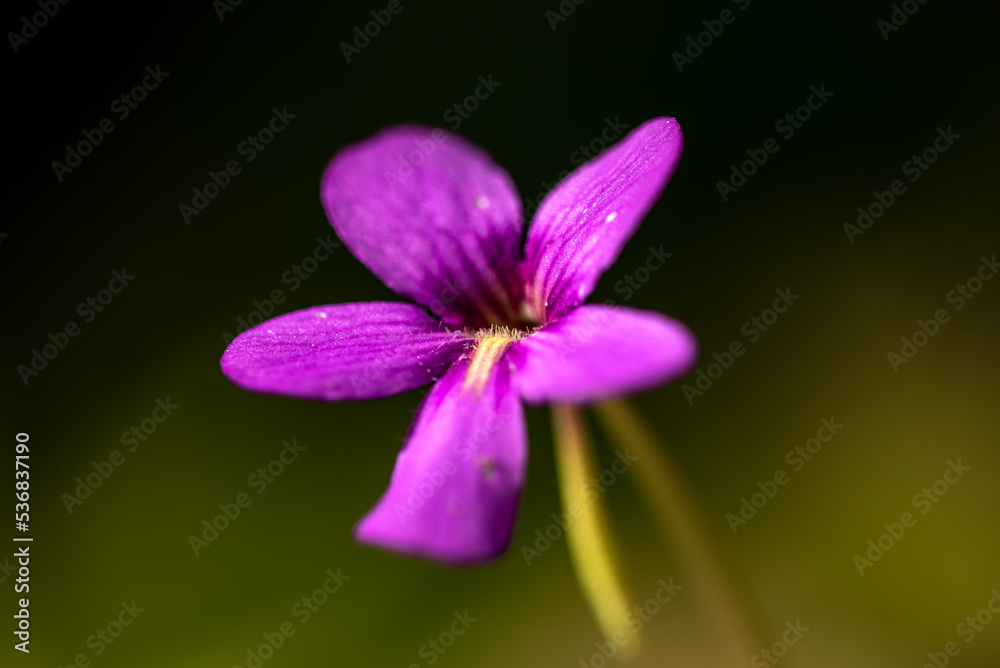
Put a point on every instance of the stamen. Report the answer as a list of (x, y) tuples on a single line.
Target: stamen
[(490, 346), (502, 332)]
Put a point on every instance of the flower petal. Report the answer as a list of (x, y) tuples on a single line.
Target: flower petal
[(598, 352), (434, 218), (582, 225), (344, 351), (457, 482)]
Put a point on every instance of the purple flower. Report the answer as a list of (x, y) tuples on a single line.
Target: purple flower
[(441, 224)]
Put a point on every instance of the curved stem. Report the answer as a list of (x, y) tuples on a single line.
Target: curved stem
[(591, 544), (677, 516)]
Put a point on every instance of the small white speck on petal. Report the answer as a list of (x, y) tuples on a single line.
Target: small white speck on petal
[(321, 314), (611, 216), (482, 202), (270, 331)]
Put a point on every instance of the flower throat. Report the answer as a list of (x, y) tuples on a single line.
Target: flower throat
[(491, 343)]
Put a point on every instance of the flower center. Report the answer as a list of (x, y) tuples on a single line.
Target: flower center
[(490, 346)]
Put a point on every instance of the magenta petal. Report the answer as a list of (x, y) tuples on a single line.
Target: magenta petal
[(344, 351), (455, 489), (598, 352), (433, 217), (583, 223)]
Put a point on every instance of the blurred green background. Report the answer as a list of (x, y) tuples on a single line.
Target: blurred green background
[(162, 337)]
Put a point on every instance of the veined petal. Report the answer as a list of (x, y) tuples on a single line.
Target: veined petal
[(598, 352), (344, 351), (433, 217), (582, 225), (455, 489)]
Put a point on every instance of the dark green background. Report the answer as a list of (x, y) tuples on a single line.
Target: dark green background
[(163, 336)]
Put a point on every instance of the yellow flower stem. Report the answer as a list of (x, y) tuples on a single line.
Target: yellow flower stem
[(677, 515), (591, 545)]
